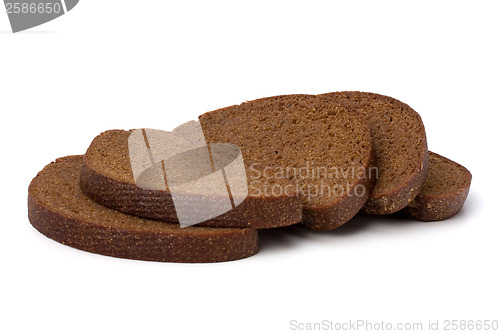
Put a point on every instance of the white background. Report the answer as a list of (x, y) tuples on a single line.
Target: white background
[(130, 64)]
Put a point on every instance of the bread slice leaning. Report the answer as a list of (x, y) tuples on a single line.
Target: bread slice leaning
[(444, 192), (58, 209), (106, 176), (322, 147), (400, 145)]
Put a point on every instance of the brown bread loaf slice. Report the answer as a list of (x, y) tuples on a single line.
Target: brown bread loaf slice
[(400, 147), (106, 176), (444, 192), (324, 148), (58, 209)]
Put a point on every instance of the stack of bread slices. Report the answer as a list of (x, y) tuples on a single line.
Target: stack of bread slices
[(311, 160)]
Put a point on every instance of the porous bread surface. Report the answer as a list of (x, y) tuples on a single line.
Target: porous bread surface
[(106, 176), (444, 192), (294, 133), (400, 145), (58, 209)]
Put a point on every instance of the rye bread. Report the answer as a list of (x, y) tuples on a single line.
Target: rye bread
[(58, 209), (400, 145), (106, 176), (292, 134), (444, 192)]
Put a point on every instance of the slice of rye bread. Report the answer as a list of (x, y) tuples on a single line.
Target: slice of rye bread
[(323, 148), (58, 209), (106, 176), (444, 192), (400, 145)]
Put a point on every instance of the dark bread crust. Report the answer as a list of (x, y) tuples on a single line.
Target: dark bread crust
[(440, 198), (57, 209), (329, 218), (389, 199), (119, 191)]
